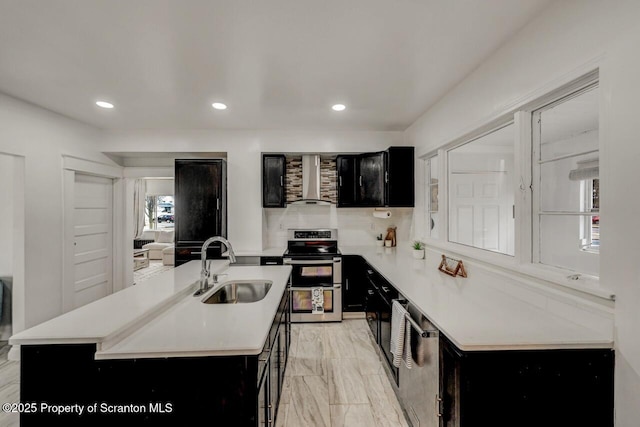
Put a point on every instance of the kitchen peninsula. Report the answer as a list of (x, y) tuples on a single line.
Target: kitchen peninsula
[(153, 354), (492, 349)]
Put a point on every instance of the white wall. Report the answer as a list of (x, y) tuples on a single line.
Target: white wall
[(620, 209), (563, 40), (160, 187), (11, 243), (243, 149), (42, 138), (6, 215)]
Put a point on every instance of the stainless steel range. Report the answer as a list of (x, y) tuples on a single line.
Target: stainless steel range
[(316, 280)]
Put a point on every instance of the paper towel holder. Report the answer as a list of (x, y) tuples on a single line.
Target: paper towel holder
[(381, 213)]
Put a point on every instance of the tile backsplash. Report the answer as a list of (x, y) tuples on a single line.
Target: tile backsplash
[(356, 226), (328, 178)]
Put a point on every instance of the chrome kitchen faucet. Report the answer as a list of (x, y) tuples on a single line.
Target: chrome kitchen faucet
[(204, 272)]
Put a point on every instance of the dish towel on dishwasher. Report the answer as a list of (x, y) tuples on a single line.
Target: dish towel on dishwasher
[(317, 300), (400, 335)]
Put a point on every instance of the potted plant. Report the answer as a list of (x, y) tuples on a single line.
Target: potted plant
[(379, 241), (418, 249)]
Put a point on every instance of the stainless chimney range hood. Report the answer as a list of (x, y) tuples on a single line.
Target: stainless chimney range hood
[(310, 182)]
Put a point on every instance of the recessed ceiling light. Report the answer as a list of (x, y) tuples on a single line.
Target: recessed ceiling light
[(219, 106), (104, 104), (339, 107)]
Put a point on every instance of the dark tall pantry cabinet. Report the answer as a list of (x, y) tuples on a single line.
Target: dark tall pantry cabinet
[(200, 206)]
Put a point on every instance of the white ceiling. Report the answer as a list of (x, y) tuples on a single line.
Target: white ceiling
[(276, 63)]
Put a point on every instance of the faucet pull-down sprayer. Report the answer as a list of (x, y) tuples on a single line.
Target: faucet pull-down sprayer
[(205, 272)]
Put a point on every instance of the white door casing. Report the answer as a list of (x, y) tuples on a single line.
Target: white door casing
[(92, 239), (91, 242)]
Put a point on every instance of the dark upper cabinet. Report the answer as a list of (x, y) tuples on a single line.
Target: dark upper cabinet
[(200, 205), (371, 171), (347, 180), (377, 179), (400, 177), (385, 178), (361, 180), (273, 181)]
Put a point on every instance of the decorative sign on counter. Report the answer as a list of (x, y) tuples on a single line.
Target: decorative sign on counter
[(452, 267)]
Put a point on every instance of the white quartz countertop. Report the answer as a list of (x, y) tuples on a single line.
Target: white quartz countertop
[(113, 314), (160, 318), (473, 315), (191, 328)]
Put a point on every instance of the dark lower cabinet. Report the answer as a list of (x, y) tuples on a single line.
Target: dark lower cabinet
[(175, 391), (354, 283), (271, 260), (264, 403), (551, 388)]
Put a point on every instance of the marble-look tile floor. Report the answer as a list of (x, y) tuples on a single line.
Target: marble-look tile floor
[(335, 378), (9, 388)]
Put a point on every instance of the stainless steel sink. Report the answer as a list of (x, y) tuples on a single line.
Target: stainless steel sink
[(240, 292)]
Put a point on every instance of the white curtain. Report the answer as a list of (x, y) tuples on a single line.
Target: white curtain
[(139, 200)]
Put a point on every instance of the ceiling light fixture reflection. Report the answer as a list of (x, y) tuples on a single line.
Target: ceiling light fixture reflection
[(104, 104), (339, 107), (219, 106)]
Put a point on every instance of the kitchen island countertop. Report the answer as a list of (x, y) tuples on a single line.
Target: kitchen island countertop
[(191, 328), (109, 316)]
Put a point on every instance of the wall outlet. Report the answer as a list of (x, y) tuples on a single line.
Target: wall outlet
[(281, 226), (373, 226)]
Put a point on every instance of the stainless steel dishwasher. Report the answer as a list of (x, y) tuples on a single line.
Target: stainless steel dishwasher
[(419, 387)]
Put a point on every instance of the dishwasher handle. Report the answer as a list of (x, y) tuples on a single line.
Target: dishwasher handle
[(424, 333)]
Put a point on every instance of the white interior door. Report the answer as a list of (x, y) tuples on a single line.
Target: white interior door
[(92, 221), (480, 216)]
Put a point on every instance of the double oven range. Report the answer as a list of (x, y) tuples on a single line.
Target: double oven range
[(316, 279)]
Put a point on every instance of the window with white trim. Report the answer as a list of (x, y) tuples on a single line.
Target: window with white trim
[(566, 186), (159, 212), (524, 188), (431, 204), (480, 177)]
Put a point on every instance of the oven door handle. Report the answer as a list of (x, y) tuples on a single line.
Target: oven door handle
[(306, 262), (308, 288)]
